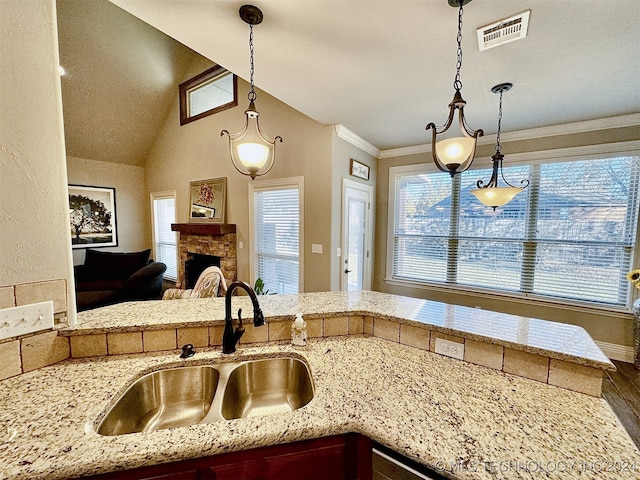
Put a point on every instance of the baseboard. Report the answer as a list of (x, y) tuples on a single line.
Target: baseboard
[(621, 353)]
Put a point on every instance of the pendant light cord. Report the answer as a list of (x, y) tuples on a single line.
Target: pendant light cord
[(457, 83), (498, 146), (252, 94)]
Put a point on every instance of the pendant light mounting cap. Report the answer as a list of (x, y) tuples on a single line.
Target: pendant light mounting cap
[(456, 3), (503, 87), (251, 14)]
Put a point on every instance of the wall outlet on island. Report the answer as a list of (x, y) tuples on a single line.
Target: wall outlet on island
[(16, 321), (449, 348)]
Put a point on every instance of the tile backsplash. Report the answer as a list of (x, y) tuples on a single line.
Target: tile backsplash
[(29, 352)]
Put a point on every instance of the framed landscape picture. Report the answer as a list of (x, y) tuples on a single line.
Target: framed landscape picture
[(207, 200), (92, 216)]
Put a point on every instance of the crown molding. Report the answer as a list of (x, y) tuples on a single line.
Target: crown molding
[(621, 121), (356, 140)]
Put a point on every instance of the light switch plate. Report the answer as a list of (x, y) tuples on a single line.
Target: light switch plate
[(449, 348), (25, 319), (316, 248)]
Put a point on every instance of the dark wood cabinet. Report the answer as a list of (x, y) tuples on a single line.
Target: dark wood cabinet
[(342, 457)]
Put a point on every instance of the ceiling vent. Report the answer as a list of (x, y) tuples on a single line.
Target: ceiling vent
[(503, 31)]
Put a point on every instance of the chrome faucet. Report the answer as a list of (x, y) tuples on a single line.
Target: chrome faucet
[(230, 337)]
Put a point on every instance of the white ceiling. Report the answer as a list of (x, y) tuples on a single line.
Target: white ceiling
[(381, 68), (385, 68)]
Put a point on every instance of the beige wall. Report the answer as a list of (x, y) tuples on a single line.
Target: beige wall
[(132, 203), (196, 151), (35, 244), (603, 326)]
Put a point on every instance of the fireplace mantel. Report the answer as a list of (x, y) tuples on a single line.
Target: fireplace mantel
[(204, 228)]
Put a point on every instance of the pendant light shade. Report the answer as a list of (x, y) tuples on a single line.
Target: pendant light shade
[(252, 153), (491, 195), (455, 154)]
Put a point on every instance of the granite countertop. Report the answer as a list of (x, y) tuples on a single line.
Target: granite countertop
[(470, 421), (556, 340)]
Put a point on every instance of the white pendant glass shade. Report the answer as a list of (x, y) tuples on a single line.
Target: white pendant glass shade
[(251, 152), (496, 196), (252, 155), (454, 152)]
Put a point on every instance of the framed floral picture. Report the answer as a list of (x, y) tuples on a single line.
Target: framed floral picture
[(92, 216), (207, 200)]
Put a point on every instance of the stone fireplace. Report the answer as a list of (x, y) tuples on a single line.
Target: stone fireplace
[(215, 239)]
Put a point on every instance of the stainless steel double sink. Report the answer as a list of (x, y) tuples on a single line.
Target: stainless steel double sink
[(187, 395)]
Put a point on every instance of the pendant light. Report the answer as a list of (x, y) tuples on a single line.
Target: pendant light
[(252, 153), (454, 155), (491, 195)]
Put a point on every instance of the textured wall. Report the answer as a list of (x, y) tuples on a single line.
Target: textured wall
[(133, 218), (34, 228), (196, 152)]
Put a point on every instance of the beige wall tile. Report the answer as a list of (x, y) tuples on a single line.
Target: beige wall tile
[(43, 349), (54, 290), (88, 345), (279, 331), (483, 353), (10, 362), (124, 342), (524, 364), (196, 336), (387, 329), (215, 335), (6, 297), (367, 325), (356, 324), (254, 334), (415, 336), (444, 336), (335, 326), (575, 377), (157, 340), (314, 328)]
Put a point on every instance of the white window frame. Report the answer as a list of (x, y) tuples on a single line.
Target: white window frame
[(631, 148), (160, 196), (276, 184)]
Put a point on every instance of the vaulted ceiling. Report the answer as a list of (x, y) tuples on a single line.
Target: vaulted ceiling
[(120, 82), (382, 68)]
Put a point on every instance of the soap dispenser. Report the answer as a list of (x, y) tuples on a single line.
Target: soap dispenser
[(299, 332)]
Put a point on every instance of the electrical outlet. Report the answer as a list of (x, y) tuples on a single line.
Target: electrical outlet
[(449, 348), (316, 248), (25, 319)]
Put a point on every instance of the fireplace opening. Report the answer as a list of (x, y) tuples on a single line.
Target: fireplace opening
[(195, 264)]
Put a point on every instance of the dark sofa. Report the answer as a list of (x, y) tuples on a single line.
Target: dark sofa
[(109, 277)]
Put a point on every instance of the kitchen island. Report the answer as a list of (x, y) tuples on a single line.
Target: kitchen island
[(463, 420)]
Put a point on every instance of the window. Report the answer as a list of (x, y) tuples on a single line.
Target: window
[(165, 247), (276, 238), (208, 93), (569, 236)]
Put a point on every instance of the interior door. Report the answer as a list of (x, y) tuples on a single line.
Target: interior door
[(356, 236)]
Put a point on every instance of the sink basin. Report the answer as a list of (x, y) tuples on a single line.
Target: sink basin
[(167, 398), (265, 387), (188, 395)]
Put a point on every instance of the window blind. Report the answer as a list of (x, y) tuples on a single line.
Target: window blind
[(570, 235), (277, 238), (165, 243)]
